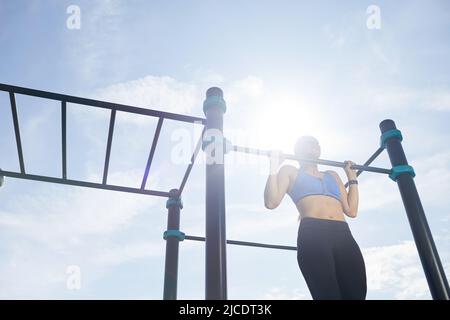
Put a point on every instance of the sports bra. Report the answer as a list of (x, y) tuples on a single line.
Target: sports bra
[(307, 185)]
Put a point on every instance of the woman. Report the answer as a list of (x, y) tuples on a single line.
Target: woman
[(328, 256)]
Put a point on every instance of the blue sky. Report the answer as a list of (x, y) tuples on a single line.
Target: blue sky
[(287, 68)]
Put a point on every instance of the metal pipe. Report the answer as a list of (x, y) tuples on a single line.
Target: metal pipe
[(324, 162), (100, 104), (112, 120), (79, 183), (368, 162), (12, 99), (215, 246), (152, 152), (64, 138), (172, 245), (247, 244), (191, 163), (423, 238)]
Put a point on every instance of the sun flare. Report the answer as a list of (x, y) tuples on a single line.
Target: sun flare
[(283, 119)]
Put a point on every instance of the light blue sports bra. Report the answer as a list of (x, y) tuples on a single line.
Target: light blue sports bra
[(307, 185)]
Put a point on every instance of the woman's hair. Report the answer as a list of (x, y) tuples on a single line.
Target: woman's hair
[(307, 147)]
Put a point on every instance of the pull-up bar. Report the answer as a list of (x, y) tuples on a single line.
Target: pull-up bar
[(246, 243), (324, 162), (368, 162)]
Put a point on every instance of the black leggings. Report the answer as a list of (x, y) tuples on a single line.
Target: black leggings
[(330, 260)]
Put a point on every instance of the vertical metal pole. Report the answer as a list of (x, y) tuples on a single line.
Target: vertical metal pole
[(64, 138), (215, 245), (172, 243), (422, 235), (12, 98)]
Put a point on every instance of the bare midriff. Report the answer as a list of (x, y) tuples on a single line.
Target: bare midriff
[(320, 207)]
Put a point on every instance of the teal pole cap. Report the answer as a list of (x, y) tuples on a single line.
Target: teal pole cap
[(393, 133), (174, 202), (214, 98), (398, 170), (174, 234)]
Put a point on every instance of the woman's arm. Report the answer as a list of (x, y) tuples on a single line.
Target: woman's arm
[(277, 183), (349, 199), (353, 194)]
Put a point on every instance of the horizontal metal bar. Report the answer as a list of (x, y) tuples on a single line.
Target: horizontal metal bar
[(368, 162), (247, 244), (331, 163), (83, 184), (100, 104)]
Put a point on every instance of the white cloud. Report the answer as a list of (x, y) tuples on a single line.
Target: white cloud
[(98, 37), (56, 216), (377, 192), (56, 227), (285, 294), (243, 89), (336, 38), (395, 98), (433, 176), (433, 183), (440, 101), (152, 92), (114, 255), (29, 273), (396, 270), (261, 227), (165, 93)]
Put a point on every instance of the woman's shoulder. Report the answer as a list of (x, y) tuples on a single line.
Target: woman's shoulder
[(334, 174), (289, 170)]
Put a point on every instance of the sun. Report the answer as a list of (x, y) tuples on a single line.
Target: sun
[(283, 119)]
